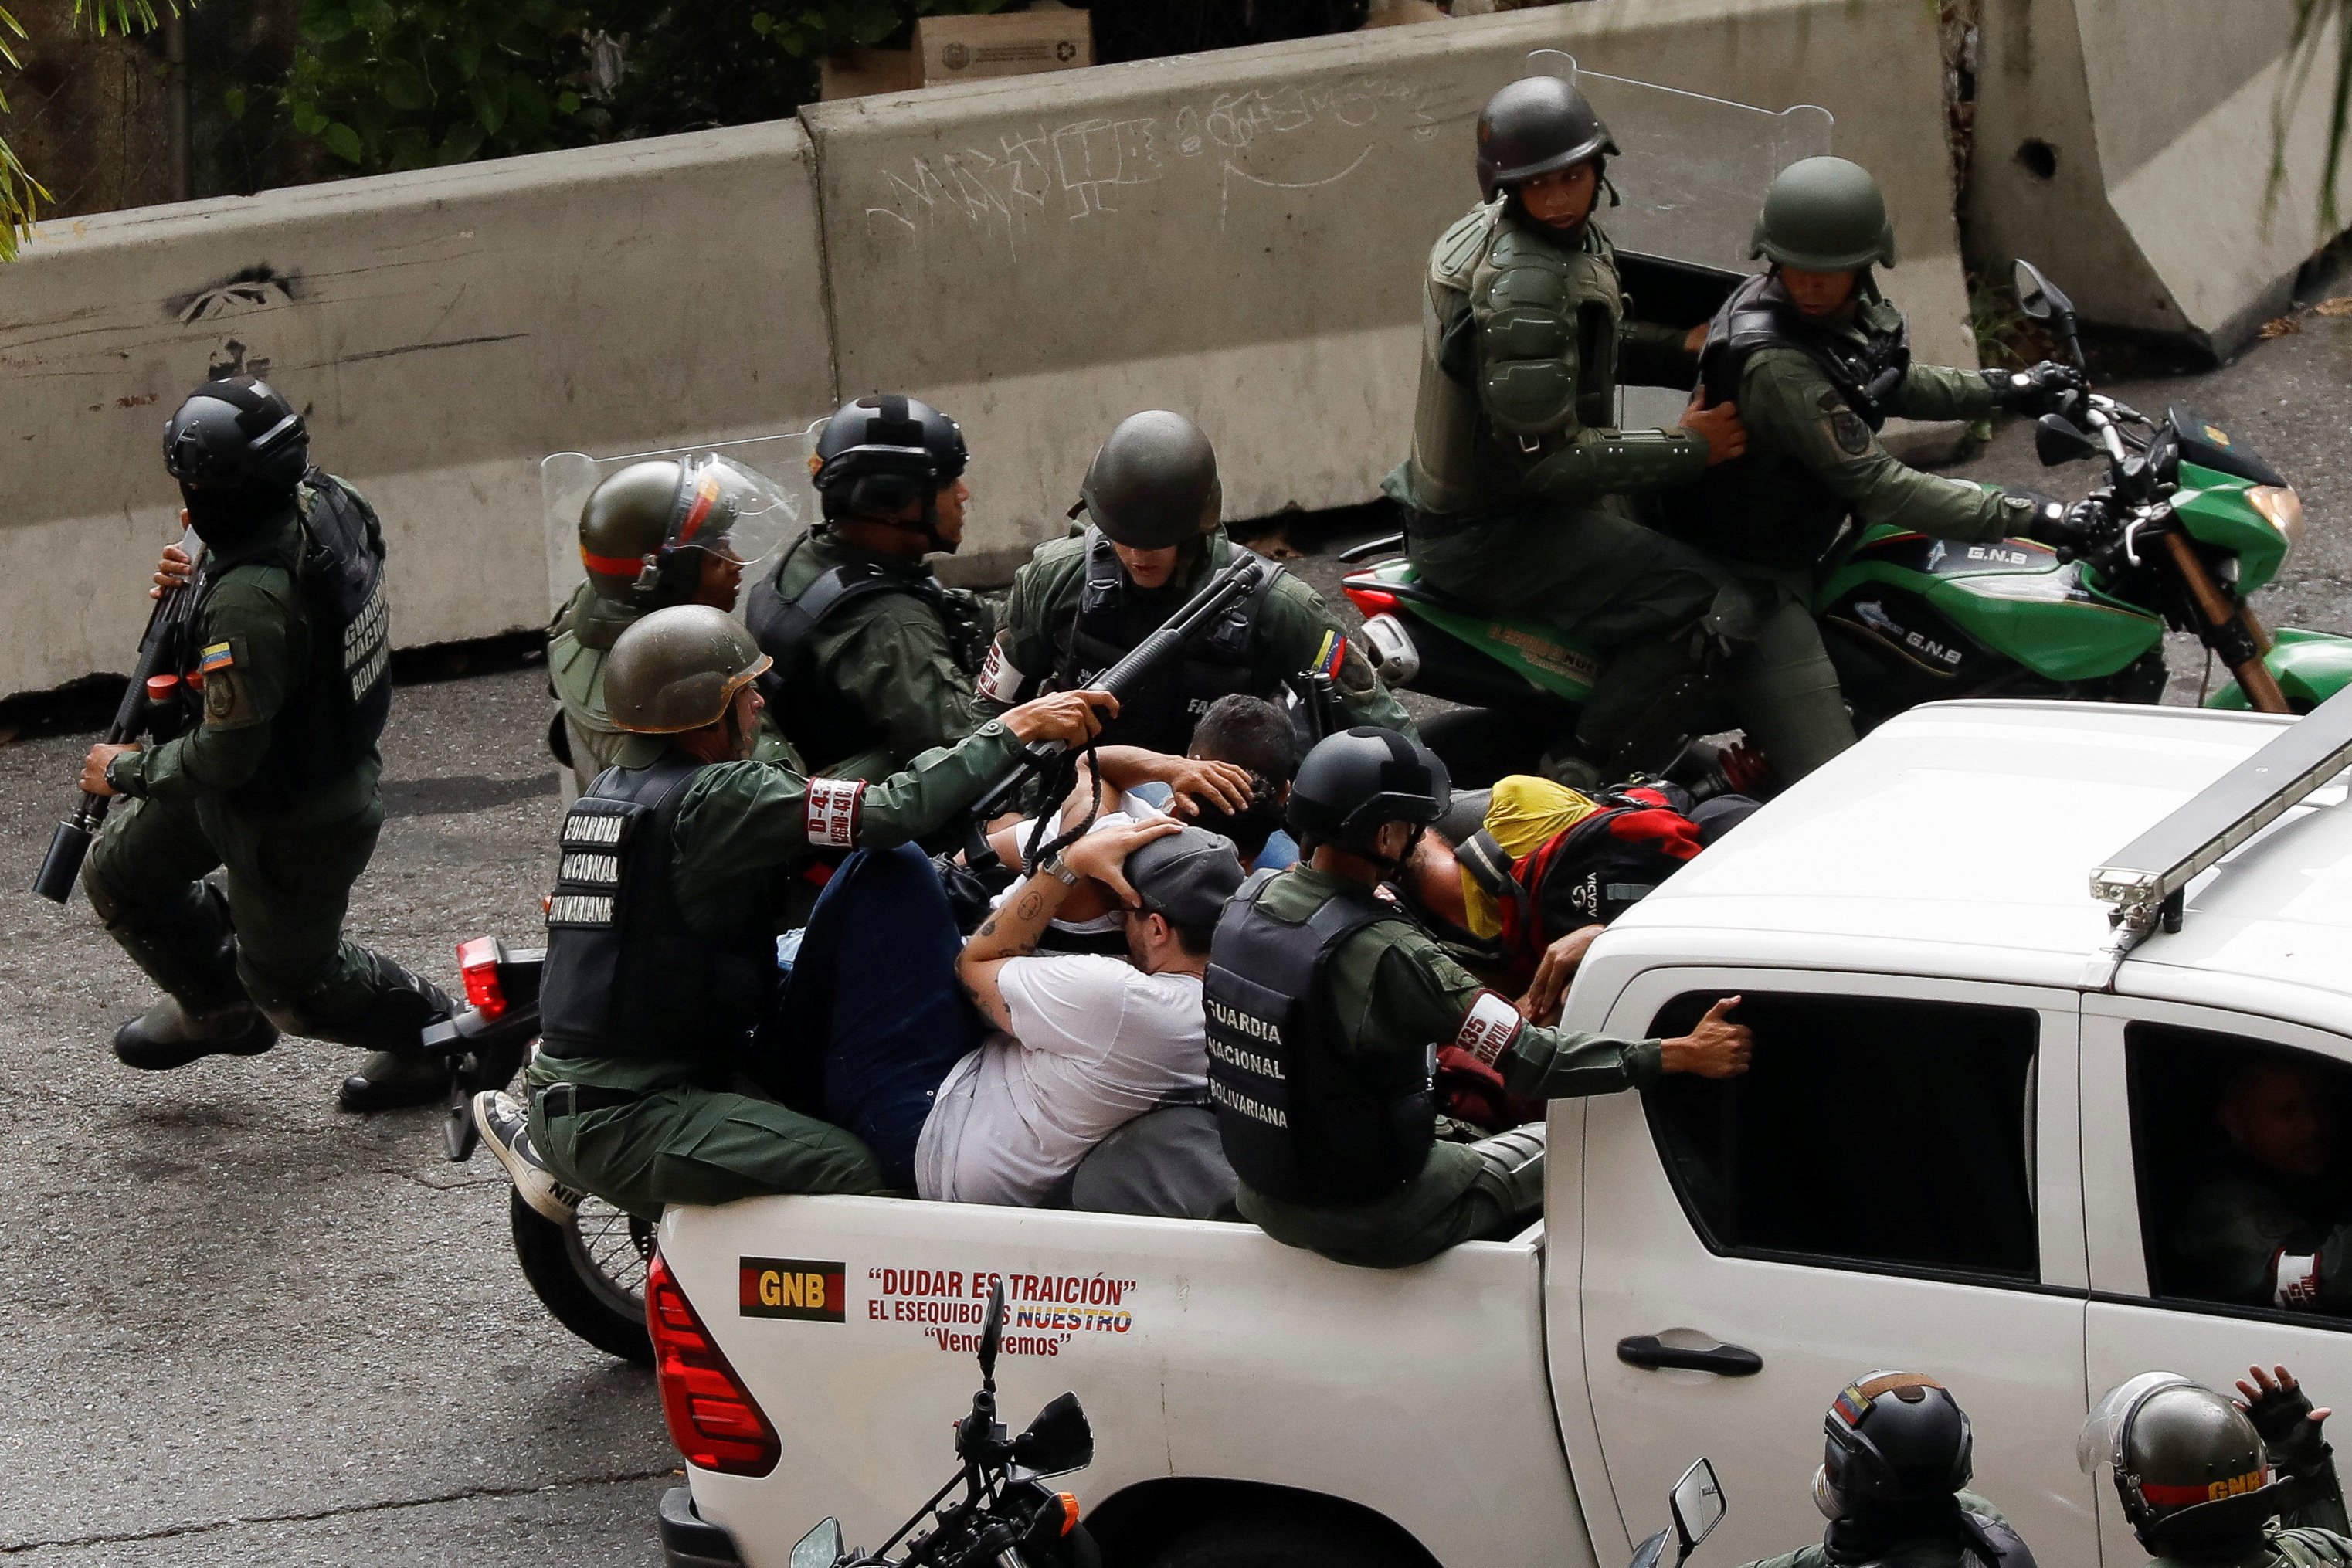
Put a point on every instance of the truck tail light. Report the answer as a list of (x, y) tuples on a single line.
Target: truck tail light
[(478, 961), (712, 1417)]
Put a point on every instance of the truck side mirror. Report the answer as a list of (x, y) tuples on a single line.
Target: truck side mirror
[(992, 1333), (820, 1548), (2058, 439), (1698, 1506)]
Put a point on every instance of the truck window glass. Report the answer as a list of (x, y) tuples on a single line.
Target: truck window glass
[(1869, 1132), (2245, 1186)]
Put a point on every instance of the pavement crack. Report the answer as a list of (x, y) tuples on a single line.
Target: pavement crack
[(208, 1526)]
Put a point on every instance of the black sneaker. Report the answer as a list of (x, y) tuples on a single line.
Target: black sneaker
[(168, 1036), (504, 1126)]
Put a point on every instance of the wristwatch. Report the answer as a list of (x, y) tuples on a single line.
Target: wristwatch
[(114, 780), (1053, 865)]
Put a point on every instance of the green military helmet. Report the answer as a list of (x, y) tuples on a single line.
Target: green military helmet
[(678, 668), (1824, 214), (2189, 1464), (645, 528), (1154, 483)]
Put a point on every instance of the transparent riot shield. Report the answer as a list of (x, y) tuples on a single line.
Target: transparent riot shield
[(777, 467), (1691, 175), (1691, 169)]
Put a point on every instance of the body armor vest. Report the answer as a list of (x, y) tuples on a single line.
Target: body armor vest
[(1549, 298), (624, 975), (813, 714), (337, 707), (1160, 712), (1301, 1121), (1766, 507)]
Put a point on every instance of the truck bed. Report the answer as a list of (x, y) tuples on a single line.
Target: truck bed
[(1200, 1350)]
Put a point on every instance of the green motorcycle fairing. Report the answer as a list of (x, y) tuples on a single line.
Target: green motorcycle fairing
[(2310, 668), (2014, 597), (1561, 667), (2217, 509)]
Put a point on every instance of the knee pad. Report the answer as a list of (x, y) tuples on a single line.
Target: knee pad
[(1511, 1168)]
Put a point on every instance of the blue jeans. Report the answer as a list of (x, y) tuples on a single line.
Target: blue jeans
[(871, 1011)]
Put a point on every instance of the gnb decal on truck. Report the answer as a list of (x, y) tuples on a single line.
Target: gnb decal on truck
[(792, 1288)]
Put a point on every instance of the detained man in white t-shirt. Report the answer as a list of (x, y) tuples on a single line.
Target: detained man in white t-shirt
[(1089, 1042)]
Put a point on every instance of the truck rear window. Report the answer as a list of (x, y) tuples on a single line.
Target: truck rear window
[(1869, 1131)]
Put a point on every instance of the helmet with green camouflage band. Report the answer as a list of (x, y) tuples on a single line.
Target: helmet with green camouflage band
[(677, 669), (1824, 214), (1153, 484)]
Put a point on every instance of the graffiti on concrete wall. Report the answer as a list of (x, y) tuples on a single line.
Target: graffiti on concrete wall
[(1094, 168)]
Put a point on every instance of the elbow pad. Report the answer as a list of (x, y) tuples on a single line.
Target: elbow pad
[(1621, 462)]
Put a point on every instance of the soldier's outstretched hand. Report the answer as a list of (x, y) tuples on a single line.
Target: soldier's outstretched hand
[(1717, 423), (1715, 1046), (1069, 716)]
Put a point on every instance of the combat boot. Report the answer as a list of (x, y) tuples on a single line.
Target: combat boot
[(389, 1079), (169, 1035), (380, 1005)]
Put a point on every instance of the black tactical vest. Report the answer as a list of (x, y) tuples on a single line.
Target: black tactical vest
[(1303, 1122), (337, 706), (624, 976), (1159, 712), (814, 715), (1767, 508)]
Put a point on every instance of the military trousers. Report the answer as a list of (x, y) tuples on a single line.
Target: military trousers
[(689, 1144), (1642, 602), (269, 930), (1781, 686), (1486, 1191)]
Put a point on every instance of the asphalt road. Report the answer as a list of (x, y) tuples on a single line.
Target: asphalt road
[(239, 1326)]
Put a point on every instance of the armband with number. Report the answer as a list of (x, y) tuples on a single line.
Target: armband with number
[(1489, 1027)]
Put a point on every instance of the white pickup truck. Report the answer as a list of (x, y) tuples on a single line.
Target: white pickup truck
[(1976, 1115)]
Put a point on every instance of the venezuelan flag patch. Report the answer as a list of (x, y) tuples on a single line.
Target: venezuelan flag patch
[(216, 658)]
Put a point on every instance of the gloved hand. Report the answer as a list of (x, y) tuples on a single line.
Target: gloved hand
[(2284, 1419), (2075, 527), (2045, 388)]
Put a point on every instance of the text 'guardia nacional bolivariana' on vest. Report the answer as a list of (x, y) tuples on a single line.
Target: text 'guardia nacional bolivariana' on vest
[(1227, 1017), (1247, 1106)]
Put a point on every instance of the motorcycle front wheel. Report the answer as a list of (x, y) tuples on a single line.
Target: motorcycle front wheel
[(590, 1274)]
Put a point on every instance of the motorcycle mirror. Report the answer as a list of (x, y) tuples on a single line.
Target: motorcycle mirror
[(2057, 439), (820, 1548), (1644, 1556), (1058, 1441), (1698, 1506), (2036, 295), (992, 1333)]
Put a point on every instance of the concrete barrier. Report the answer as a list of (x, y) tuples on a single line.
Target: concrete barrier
[(1240, 236), (444, 331), (2126, 148)]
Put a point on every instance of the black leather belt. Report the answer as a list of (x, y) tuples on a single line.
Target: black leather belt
[(566, 1099)]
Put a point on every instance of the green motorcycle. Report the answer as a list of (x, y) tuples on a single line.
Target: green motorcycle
[(2187, 527)]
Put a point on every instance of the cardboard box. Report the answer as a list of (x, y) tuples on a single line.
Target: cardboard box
[(856, 73), (1018, 43)]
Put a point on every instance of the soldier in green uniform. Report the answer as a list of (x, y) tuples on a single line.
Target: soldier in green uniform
[(275, 786), (875, 658), (1152, 503), (2271, 1223), (661, 930), (2217, 1482), (1512, 491), (1326, 1007), (1894, 1466), (652, 534), (1818, 360)]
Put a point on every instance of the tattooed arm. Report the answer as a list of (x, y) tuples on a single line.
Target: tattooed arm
[(1011, 932)]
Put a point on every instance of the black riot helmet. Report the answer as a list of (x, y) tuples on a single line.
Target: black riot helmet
[(2191, 1469), (1894, 1439), (884, 452), (1355, 783), (1153, 483), (1534, 126), (238, 449)]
